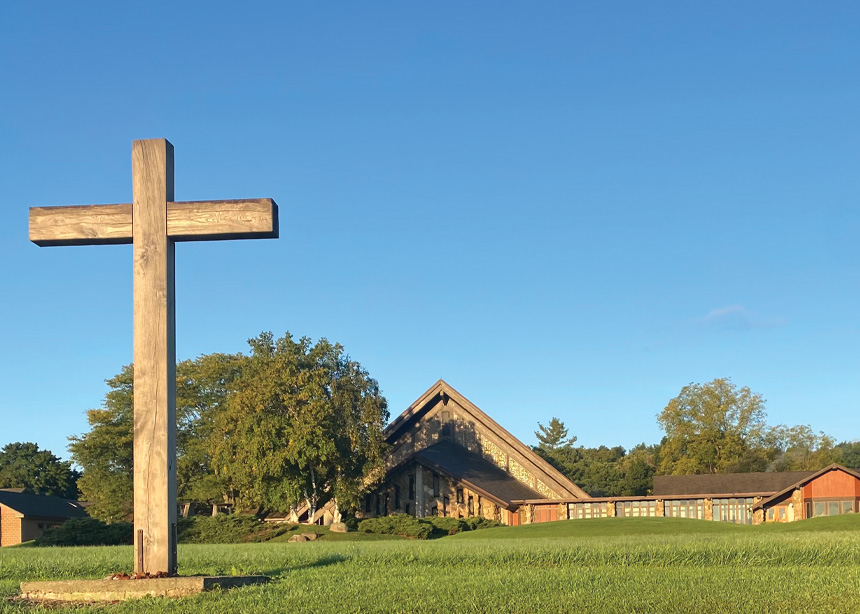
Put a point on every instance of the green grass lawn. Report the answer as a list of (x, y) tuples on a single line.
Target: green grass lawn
[(604, 565)]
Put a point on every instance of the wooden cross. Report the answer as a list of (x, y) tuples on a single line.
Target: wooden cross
[(153, 223)]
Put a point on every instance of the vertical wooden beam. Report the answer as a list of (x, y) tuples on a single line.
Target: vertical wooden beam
[(154, 359), (420, 512)]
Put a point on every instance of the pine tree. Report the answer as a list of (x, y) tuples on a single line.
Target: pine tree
[(554, 436)]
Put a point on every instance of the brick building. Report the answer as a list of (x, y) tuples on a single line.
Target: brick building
[(23, 517)]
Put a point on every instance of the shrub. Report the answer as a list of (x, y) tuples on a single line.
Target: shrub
[(227, 529), (478, 522), (351, 523), (423, 528), (398, 524), (87, 532), (447, 525)]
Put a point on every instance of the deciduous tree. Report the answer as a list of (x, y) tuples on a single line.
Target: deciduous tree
[(799, 448), (713, 428), (106, 452), (849, 454), (24, 465), (304, 423)]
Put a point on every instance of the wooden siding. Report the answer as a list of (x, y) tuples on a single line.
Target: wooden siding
[(833, 484)]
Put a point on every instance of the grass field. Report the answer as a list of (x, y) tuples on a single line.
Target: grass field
[(604, 565)]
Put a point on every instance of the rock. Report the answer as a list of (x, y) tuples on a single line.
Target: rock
[(297, 538), (338, 527), (311, 537)]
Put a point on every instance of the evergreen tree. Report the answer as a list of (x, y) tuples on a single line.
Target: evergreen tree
[(554, 436)]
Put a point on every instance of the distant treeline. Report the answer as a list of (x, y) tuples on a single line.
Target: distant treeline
[(709, 428)]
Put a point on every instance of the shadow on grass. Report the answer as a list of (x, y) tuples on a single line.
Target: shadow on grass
[(325, 561)]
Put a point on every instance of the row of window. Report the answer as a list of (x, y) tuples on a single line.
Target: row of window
[(684, 508), (725, 510), (830, 508), (587, 510), (635, 509)]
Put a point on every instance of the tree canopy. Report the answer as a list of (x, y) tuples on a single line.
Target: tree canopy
[(713, 428), (290, 422), (799, 448), (600, 471), (305, 421), (24, 465)]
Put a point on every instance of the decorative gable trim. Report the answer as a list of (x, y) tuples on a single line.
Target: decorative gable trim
[(545, 478)]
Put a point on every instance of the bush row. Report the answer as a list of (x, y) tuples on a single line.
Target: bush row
[(222, 529), (423, 528), (240, 528)]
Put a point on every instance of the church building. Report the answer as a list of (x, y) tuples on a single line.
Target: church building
[(449, 458)]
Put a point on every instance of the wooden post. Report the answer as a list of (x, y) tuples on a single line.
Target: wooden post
[(152, 223), (154, 357)]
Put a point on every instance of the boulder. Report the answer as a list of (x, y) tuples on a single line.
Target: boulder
[(338, 527), (311, 537), (297, 538)]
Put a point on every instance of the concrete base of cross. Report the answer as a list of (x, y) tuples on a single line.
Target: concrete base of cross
[(121, 590)]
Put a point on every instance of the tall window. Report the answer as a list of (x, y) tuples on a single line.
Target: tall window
[(735, 510), (412, 486), (636, 508), (587, 510), (684, 508), (459, 495)]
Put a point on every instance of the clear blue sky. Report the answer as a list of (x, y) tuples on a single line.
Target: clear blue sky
[(563, 209)]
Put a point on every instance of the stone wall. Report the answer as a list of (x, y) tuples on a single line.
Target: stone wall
[(795, 507)]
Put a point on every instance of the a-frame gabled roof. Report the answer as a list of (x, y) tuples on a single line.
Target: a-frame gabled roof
[(805, 481), (440, 390)]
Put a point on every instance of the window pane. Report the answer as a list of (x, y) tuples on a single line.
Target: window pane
[(847, 507), (833, 508), (819, 508)]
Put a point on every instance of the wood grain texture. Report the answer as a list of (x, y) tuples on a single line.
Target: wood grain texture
[(81, 225), (153, 222), (206, 220), (154, 358), (215, 220)]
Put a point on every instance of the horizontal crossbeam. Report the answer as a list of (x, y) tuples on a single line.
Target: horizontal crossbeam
[(210, 220)]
